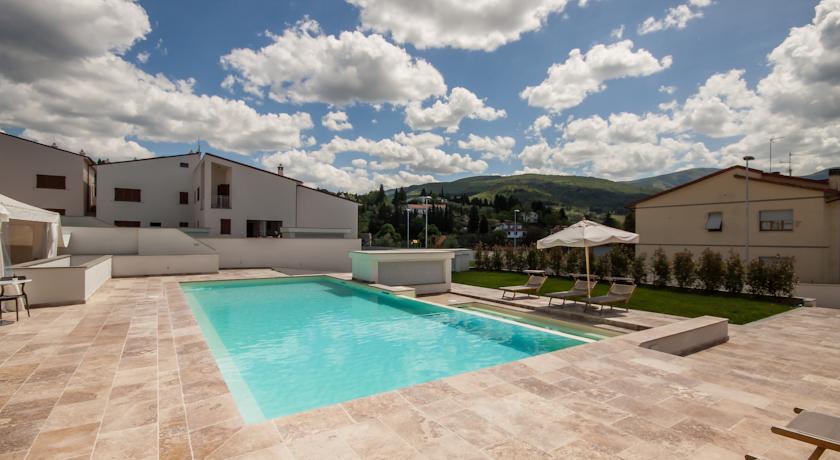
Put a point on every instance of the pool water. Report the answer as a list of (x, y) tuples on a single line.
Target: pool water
[(290, 345)]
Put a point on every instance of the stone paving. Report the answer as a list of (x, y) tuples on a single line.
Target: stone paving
[(129, 375)]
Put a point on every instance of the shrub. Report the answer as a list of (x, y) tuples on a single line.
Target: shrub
[(507, 257), (733, 278), (498, 261), (639, 269), (661, 268), (781, 277), (710, 270), (619, 262), (601, 266), (519, 259), (573, 262), (534, 258), (480, 257), (757, 277), (685, 270), (556, 260)]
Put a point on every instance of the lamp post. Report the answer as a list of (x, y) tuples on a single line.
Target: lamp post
[(426, 213), (515, 211), (747, 159), (773, 139), (407, 223)]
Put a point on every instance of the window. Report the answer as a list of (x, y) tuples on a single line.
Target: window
[(60, 211), (127, 194), (185, 197), (45, 181), (126, 223), (274, 228), (776, 221), (197, 194), (154, 224), (185, 165), (714, 221), (183, 224), (225, 224)]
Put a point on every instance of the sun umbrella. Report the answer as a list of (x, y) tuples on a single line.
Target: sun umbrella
[(586, 234)]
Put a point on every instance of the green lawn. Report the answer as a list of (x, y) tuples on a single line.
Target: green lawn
[(739, 309)]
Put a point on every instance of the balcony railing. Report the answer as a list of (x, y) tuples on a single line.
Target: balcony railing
[(220, 202)]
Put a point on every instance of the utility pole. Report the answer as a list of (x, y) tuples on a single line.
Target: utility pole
[(407, 223), (790, 164), (515, 231), (426, 209)]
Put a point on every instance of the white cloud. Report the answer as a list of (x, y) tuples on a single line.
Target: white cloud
[(667, 89), (228, 83), (675, 18), (498, 147), (448, 112), (540, 124), (104, 104), (474, 25), (569, 83), (143, 57), (37, 38), (305, 65), (617, 33), (336, 121), (720, 107)]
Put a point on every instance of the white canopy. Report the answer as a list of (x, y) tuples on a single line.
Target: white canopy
[(11, 209), (585, 234)]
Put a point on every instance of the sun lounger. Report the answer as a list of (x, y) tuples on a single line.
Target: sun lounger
[(577, 291), (619, 295), (815, 428), (533, 285)]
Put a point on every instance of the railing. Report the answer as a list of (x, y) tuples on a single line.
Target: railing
[(220, 202)]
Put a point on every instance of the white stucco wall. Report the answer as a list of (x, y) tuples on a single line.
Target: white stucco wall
[(22, 160), (98, 240), (311, 254), (56, 282), (321, 210), (160, 181), (138, 265)]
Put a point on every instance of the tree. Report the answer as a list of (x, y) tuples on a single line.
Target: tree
[(380, 196), (661, 268), (483, 225), (630, 221), (733, 279), (710, 270), (564, 219), (473, 222), (685, 272), (610, 221)]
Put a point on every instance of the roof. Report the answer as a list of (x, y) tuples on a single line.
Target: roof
[(165, 157), (774, 178), (83, 156)]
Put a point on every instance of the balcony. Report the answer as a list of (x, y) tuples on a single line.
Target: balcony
[(220, 202)]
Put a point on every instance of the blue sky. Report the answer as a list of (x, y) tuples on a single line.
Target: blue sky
[(713, 67)]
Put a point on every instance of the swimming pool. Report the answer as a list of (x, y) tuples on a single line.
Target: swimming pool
[(287, 345)]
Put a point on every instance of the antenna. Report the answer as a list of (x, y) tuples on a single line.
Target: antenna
[(198, 145), (790, 164)]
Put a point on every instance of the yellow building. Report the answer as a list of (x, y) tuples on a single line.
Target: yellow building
[(788, 217)]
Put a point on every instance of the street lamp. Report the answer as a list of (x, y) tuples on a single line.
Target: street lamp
[(747, 159), (426, 213), (773, 139), (515, 211)]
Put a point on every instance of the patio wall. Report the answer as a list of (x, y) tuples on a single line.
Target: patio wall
[(827, 295), (64, 280), (329, 254)]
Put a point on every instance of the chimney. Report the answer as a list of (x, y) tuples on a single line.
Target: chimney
[(834, 178), (280, 170)]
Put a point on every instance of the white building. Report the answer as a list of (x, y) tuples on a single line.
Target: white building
[(421, 209), (47, 177), (512, 231), (215, 196), (203, 194)]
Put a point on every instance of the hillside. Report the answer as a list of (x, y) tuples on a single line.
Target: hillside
[(819, 175), (579, 192)]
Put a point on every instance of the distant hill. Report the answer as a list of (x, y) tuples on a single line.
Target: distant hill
[(820, 175), (666, 181), (599, 195)]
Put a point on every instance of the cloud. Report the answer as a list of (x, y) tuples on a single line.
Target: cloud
[(305, 65), (541, 123), (617, 33), (482, 25), (50, 37), (499, 147), (675, 18), (667, 89), (448, 112), (106, 105), (569, 83), (336, 121), (143, 57)]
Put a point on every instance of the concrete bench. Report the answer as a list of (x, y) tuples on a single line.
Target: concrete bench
[(684, 337)]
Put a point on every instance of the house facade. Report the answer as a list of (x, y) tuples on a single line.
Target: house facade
[(47, 177), (201, 193), (512, 231), (787, 217)]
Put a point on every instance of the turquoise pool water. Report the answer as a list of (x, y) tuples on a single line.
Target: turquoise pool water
[(294, 344)]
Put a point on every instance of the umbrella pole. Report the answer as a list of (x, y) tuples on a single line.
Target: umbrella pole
[(586, 257)]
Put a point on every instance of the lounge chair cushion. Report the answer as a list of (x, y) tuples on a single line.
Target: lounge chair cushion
[(607, 299), (519, 288)]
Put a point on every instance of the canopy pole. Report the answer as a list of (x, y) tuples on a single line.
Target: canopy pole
[(586, 256)]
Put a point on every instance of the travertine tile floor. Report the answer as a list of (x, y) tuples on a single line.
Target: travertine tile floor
[(129, 375)]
